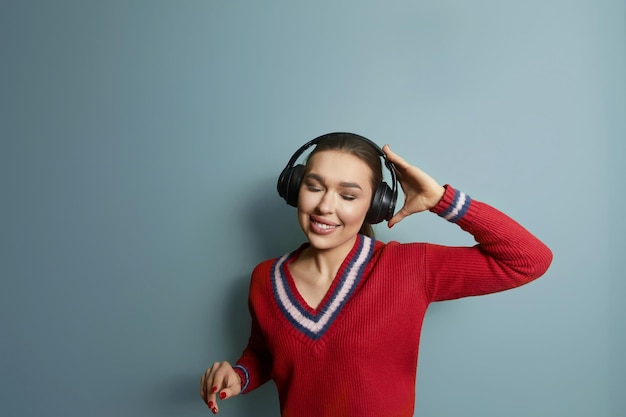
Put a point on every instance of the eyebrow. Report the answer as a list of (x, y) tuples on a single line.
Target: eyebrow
[(344, 184)]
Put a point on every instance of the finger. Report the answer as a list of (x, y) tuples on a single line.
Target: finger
[(203, 387), (230, 391), (210, 386), (233, 385), (221, 394), (394, 158), (212, 399), (222, 383), (398, 217), (209, 396)]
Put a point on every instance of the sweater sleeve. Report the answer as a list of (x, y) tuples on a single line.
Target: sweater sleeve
[(506, 255), (254, 365)]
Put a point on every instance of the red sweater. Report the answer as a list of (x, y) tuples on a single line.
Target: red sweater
[(356, 354)]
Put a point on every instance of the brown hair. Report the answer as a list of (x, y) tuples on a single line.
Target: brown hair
[(354, 145)]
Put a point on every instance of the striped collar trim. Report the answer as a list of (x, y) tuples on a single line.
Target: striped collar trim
[(314, 325)]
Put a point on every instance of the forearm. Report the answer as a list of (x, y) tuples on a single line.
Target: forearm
[(254, 365), (507, 255)]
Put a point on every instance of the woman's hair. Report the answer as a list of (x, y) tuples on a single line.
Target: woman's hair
[(353, 145)]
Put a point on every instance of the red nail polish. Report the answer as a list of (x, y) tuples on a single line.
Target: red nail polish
[(214, 389), (211, 404), (214, 410), (222, 395)]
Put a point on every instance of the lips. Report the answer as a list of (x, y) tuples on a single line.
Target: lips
[(321, 226)]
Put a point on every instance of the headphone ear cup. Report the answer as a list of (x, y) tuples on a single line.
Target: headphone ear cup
[(289, 184), (383, 205)]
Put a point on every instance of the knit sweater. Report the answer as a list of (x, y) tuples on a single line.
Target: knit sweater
[(355, 355)]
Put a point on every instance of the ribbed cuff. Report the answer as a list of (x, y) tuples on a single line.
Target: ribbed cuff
[(453, 205), (243, 375)]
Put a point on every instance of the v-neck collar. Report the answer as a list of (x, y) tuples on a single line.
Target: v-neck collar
[(315, 322)]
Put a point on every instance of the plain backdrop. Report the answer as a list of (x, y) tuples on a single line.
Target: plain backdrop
[(140, 146)]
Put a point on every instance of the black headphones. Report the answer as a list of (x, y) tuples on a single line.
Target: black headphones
[(383, 201)]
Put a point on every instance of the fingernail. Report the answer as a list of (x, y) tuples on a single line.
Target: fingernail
[(214, 410), (214, 389), (222, 395), (211, 404)]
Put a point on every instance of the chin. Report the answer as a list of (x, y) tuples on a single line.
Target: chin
[(328, 242)]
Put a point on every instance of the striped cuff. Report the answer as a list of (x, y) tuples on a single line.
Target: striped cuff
[(244, 375), (453, 205)]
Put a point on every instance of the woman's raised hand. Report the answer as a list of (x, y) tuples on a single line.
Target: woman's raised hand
[(421, 191)]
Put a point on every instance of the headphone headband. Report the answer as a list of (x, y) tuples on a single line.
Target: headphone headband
[(383, 199)]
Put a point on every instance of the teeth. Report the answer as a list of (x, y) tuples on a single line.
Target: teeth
[(324, 226)]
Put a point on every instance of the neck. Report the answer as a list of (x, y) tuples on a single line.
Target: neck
[(327, 261)]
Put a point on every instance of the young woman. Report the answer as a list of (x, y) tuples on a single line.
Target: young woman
[(336, 323)]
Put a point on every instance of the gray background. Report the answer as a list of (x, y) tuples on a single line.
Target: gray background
[(140, 146)]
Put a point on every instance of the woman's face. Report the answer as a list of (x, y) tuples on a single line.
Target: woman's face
[(334, 198)]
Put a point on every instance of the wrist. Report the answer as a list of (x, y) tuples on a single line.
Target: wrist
[(242, 373), (453, 205), (437, 197)]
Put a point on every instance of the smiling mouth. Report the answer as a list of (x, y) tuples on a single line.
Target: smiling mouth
[(323, 226)]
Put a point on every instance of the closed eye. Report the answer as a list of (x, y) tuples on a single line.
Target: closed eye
[(313, 188), (314, 183)]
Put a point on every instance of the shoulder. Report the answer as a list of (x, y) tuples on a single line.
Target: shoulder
[(260, 279), (398, 252), (394, 245), (262, 267), (263, 270)]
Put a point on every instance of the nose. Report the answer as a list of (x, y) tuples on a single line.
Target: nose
[(326, 204)]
